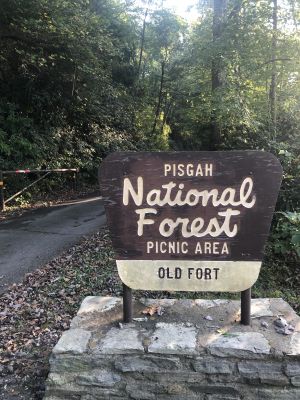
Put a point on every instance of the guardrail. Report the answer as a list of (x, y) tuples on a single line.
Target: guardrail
[(45, 173)]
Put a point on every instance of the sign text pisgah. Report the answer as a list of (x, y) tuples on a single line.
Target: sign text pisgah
[(195, 221)]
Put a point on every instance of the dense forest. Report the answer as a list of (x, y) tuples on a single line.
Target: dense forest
[(80, 79)]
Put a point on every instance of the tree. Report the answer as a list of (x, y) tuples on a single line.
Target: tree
[(163, 42), (217, 70), (65, 80)]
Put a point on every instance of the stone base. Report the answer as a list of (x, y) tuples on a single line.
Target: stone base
[(196, 349)]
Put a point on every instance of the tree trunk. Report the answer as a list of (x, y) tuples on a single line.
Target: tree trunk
[(166, 114), (216, 71), (160, 96), (273, 85), (142, 43), (74, 80)]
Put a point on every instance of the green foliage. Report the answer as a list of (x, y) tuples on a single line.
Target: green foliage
[(286, 234), (60, 64)]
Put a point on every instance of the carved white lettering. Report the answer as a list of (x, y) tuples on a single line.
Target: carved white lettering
[(213, 229), (167, 169), (169, 247), (136, 196), (204, 169), (225, 249), (211, 248), (155, 197), (142, 220), (173, 194)]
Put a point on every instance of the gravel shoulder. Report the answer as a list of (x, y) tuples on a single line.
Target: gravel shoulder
[(34, 313)]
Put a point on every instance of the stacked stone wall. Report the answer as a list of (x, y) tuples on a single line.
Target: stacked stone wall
[(163, 359)]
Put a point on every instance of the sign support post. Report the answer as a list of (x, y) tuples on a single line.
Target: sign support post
[(127, 304), (2, 203), (246, 307)]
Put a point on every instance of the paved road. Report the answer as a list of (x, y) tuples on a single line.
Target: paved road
[(29, 241)]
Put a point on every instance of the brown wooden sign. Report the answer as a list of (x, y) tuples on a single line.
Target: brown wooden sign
[(195, 221)]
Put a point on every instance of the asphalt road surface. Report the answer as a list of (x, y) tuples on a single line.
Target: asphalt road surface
[(32, 240)]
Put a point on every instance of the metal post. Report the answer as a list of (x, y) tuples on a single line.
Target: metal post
[(75, 181), (246, 307), (127, 303), (2, 204)]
